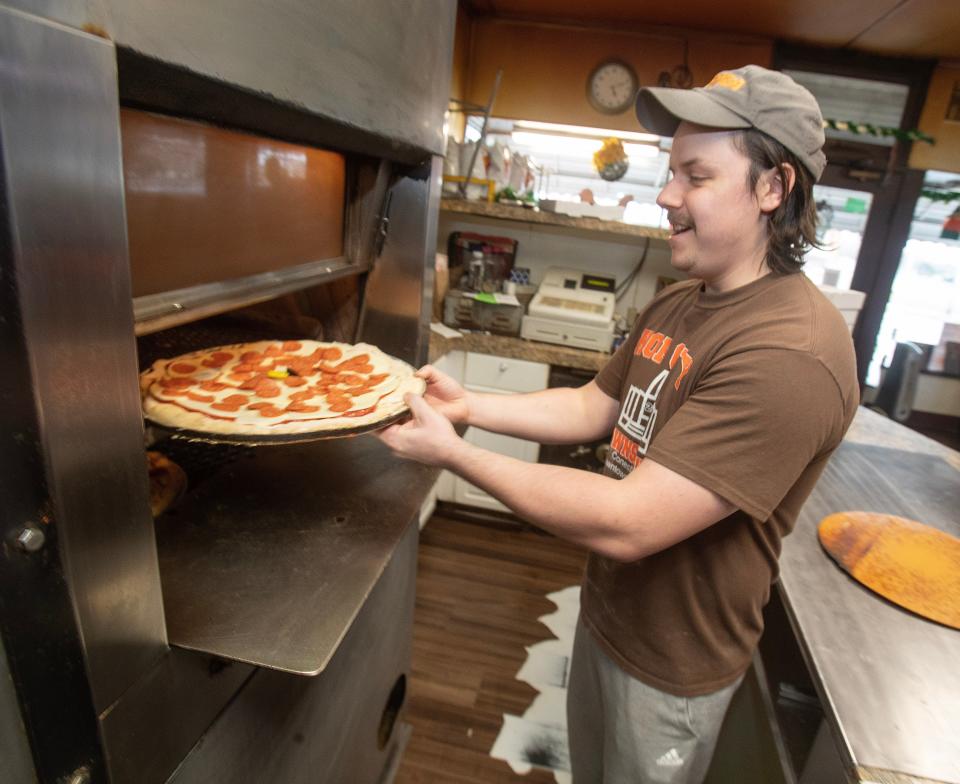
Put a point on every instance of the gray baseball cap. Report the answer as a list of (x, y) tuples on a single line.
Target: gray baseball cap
[(748, 97)]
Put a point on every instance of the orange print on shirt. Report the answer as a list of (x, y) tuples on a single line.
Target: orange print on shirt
[(655, 345)]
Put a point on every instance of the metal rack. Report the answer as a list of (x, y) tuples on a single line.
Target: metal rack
[(473, 108)]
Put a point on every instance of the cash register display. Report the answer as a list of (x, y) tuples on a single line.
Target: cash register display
[(597, 283), (571, 304)]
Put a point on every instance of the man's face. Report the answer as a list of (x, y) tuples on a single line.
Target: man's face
[(715, 218)]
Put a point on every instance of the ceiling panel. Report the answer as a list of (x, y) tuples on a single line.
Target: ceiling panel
[(919, 28)]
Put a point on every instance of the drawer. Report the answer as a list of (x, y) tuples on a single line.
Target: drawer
[(510, 375)]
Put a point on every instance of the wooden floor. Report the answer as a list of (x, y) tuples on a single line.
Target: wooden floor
[(480, 588)]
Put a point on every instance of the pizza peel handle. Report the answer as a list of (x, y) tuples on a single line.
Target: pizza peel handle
[(913, 565)]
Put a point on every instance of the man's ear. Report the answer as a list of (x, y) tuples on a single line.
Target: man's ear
[(773, 187)]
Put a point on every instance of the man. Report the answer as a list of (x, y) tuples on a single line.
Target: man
[(725, 402)]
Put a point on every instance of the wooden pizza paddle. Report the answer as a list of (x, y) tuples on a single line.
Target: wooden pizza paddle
[(909, 563)]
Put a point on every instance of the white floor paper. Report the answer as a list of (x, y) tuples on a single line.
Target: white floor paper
[(539, 737)]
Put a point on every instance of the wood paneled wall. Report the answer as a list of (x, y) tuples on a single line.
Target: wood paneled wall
[(945, 154), (545, 66)]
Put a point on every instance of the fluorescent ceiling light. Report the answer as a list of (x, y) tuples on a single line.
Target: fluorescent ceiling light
[(546, 143), (602, 133)]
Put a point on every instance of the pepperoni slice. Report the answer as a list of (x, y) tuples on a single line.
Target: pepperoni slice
[(213, 363), (241, 376), (365, 368), (253, 383), (302, 408), (175, 383), (267, 389), (246, 367), (340, 406), (377, 379), (271, 411), (212, 386), (201, 398), (183, 367), (235, 400), (294, 381), (273, 351), (350, 379), (291, 345), (251, 356), (332, 353), (261, 404), (221, 356), (225, 407), (361, 412), (299, 397)]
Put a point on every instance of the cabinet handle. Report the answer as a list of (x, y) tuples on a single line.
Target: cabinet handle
[(504, 367)]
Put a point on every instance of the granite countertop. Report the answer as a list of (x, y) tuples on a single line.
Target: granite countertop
[(517, 348)]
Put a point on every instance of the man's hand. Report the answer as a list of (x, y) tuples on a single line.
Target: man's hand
[(445, 395), (428, 437)]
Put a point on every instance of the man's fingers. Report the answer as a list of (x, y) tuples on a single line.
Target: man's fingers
[(421, 410), (388, 435)]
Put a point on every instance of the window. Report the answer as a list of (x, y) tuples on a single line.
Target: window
[(563, 157), (924, 305)]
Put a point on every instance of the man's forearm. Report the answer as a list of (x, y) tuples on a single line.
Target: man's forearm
[(551, 416), (579, 506)]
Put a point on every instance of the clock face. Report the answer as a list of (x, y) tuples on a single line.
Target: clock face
[(612, 87)]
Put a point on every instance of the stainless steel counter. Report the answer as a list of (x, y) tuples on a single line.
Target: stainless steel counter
[(270, 561), (889, 680)]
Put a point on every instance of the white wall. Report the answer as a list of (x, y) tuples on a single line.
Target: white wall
[(541, 247), (938, 395)]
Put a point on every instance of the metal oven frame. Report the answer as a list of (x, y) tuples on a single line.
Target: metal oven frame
[(91, 688)]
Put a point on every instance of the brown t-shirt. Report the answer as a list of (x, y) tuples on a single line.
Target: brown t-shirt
[(747, 393)]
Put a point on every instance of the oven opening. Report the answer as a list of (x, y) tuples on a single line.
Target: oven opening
[(178, 465), (391, 711)]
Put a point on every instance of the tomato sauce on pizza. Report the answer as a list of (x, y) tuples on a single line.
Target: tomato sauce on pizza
[(277, 387)]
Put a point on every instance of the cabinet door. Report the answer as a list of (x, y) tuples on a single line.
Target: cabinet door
[(450, 363), (529, 451), (466, 493)]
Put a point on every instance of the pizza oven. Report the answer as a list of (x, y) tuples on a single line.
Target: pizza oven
[(175, 179)]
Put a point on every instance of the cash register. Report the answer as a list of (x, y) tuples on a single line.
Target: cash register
[(572, 308)]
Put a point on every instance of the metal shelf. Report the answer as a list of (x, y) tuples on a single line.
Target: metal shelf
[(154, 312)]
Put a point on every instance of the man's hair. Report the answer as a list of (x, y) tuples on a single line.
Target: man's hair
[(793, 225)]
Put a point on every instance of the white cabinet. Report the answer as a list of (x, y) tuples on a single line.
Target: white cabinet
[(498, 375), (452, 364)]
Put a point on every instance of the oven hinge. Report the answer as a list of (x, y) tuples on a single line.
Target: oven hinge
[(383, 227)]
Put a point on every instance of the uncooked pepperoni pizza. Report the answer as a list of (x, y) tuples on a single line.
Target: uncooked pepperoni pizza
[(278, 388)]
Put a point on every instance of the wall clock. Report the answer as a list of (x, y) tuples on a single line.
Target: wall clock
[(612, 87)]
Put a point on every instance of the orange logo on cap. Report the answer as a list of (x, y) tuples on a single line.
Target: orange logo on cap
[(728, 80)]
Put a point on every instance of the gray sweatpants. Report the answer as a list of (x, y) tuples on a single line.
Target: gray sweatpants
[(622, 730)]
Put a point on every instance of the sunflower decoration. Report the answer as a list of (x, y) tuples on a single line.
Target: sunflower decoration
[(611, 161)]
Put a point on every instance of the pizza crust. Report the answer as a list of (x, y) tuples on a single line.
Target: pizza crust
[(399, 382), (167, 482)]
